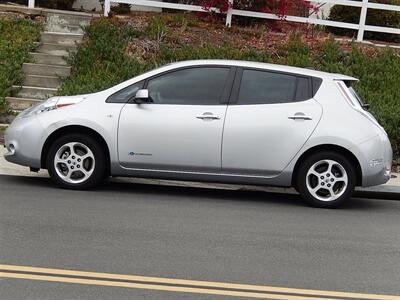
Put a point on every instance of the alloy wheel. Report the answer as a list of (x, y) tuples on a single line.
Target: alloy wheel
[(327, 180), (74, 162)]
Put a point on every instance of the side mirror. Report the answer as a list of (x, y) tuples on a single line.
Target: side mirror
[(142, 96)]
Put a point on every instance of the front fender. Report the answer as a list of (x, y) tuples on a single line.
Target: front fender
[(104, 123)]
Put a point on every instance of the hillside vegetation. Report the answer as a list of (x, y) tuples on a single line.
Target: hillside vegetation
[(115, 50), (17, 37)]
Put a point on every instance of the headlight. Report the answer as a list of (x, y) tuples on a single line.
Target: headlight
[(48, 105)]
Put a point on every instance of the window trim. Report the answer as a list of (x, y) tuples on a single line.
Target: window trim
[(127, 101), (226, 89), (234, 99), (316, 84)]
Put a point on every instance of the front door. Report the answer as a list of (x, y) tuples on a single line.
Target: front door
[(181, 130), (270, 118)]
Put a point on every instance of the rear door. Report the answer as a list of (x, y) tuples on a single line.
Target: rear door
[(270, 117)]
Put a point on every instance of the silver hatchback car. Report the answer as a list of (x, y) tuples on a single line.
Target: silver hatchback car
[(211, 120)]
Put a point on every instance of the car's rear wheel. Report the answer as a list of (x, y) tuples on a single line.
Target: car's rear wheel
[(326, 179), (76, 161)]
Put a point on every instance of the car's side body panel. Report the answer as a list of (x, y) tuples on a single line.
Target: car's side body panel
[(171, 137)]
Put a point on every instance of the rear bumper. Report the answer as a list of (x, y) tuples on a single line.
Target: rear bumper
[(376, 160)]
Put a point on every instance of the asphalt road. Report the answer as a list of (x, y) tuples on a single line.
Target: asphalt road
[(194, 234)]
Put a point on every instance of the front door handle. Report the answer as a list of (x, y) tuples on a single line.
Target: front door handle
[(300, 116), (208, 116)]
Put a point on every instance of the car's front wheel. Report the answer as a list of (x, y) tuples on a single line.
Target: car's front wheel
[(76, 161), (326, 179)]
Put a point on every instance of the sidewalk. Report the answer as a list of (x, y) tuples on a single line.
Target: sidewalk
[(390, 190)]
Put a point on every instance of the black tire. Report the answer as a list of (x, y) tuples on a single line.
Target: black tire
[(345, 192), (98, 171)]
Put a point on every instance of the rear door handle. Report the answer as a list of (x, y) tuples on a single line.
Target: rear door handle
[(208, 116), (300, 116)]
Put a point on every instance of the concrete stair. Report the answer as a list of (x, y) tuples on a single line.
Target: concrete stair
[(48, 59), (44, 75), (64, 28), (34, 92), (67, 19), (43, 81), (55, 49), (67, 23), (61, 38), (46, 70)]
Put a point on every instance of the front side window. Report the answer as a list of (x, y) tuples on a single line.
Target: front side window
[(194, 86), (262, 87), (124, 95)]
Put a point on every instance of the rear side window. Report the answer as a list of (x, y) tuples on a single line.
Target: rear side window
[(316, 84), (261, 87), (123, 96), (302, 89)]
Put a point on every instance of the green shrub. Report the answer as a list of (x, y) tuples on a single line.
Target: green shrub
[(375, 17), (330, 58), (17, 37), (208, 51), (156, 28), (294, 52)]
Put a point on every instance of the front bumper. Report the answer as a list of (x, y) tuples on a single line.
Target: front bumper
[(23, 141)]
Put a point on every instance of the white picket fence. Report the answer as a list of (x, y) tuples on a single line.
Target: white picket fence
[(361, 26)]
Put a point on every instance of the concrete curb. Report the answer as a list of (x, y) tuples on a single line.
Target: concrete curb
[(386, 191)]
